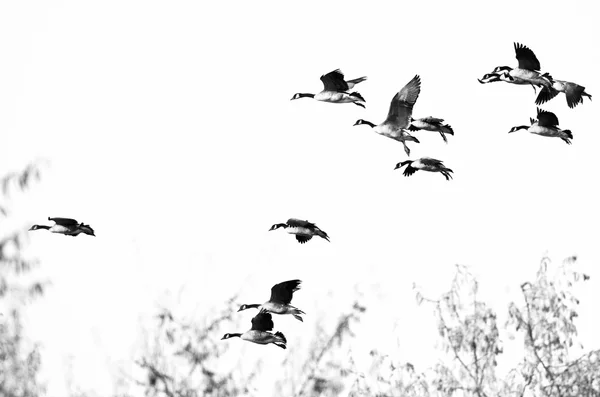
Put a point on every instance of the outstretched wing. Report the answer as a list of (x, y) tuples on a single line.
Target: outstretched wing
[(282, 292), (67, 222), (403, 102), (545, 95), (428, 161), (408, 171), (293, 222), (302, 238), (432, 120), (546, 119), (262, 321), (573, 93), (526, 57), (334, 81)]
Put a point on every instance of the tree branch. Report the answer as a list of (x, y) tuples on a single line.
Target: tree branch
[(532, 339)]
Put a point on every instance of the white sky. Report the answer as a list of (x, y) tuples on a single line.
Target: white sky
[(169, 129)]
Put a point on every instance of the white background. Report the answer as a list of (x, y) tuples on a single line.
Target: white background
[(168, 128)]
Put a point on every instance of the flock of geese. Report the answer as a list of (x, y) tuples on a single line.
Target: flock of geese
[(528, 72), (398, 122), (262, 323), (398, 125)]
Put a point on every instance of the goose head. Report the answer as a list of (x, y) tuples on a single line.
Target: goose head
[(230, 335), (361, 122), (403, 163), (38, 227), (244, 307), (517, 128), (300, 95), (489, 78), (277, 226)]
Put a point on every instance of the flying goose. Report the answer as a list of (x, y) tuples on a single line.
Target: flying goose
[(528, 71), (495, 77), (262, 323), (336, 90), (66, 226), (431, 124), (574, 93), (545, 125), (304, 230), (425, 164), (281, 297), (399, 115)]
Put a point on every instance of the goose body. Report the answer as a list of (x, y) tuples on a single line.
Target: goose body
[(545, 125), (279, 302), (525, 77), (66, 226), (574, 93), (336, 90), (431, 124), (262, 323), (425, 164), (507, 78), (399, 114), (495, 77), (527, 72), (304, 230)]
